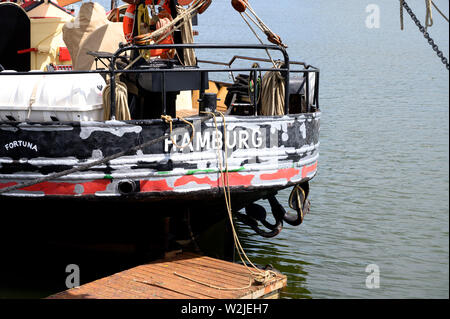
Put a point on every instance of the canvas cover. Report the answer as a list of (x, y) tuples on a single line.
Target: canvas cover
[(105, 39), (91, 16)]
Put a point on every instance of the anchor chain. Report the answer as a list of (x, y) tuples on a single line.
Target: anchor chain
[(426, 35)]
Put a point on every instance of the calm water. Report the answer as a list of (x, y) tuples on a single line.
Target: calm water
[(381, 195)]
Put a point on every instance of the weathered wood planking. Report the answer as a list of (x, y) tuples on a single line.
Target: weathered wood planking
[(159, 280)]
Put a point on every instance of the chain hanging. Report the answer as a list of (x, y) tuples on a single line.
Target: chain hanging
[(425, 34)]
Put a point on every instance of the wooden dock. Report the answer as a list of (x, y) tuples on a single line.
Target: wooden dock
[(184, 276)]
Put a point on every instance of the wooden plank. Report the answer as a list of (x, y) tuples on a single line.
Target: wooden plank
[(206, 273), (181, 283), (185, 276), (206, 278), (166, 281)]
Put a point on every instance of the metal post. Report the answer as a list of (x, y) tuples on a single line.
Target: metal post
[(286, 76), (255, 85), (113, 88), (308, 104), (317, 90), (164, 98)]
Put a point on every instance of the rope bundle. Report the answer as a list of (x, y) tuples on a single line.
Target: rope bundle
[(272, 93), (122, 110), (187, 36)]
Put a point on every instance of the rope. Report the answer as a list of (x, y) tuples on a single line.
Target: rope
[(187, 36), (402, 24), (440, 12), (122, 110), (257, 275), (256, 35), (426, 35), (95, 163), (169, 120), (168, 29), (429, 15), (271, 36), (144, 15), (272, 93)]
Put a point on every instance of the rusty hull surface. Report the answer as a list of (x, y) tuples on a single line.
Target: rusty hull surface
[(269, 153)]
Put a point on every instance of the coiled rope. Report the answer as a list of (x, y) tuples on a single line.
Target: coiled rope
[(272, 93), (122, 110), (273, 85), (121, 102)]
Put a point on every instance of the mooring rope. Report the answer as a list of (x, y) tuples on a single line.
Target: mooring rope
[(429, 15), (256, 35), (169, 120), (438, 10), (257, 275), (402, 24)]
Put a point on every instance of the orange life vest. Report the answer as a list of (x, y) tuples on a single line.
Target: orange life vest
[(165, 17)]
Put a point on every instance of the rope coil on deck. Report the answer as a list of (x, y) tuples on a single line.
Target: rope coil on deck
[(122, 110), (273, 92)]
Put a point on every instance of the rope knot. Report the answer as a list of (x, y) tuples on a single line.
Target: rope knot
[(169, 120)]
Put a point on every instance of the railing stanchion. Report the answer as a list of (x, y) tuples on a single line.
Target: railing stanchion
[(113, 88)]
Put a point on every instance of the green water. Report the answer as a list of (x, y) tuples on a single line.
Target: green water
[(381, 195)]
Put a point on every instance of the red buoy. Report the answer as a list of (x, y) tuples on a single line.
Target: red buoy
[(239, 5)]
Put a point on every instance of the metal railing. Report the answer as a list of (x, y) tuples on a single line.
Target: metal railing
[(285, 70)]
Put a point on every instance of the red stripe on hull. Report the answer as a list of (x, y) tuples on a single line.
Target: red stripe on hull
[(234, 179), (288, 174), (52, 188), (155, 186), (306, 170)]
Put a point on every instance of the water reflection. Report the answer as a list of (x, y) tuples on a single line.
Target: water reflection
[(280, 255)]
